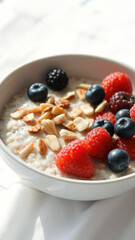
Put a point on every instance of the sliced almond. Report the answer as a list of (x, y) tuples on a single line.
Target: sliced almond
[(34, 129), (58, 110), (34, 110), (25, 150), (46, 115), (41, 146), (101, 106), (50, 99), (76, 112), (53, 143), (84, 86), (49, 126), (69, 124), (29, 118), (69, 95), (62, 102), (67, 135), (81, 93), (19, 113), (87, 109), (46, 107), (60, 119), (81, 124), (91, 121)]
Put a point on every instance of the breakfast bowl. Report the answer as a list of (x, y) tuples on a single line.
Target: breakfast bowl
[(35, 173)]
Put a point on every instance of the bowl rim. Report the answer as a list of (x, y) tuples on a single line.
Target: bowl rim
[(69, 180)]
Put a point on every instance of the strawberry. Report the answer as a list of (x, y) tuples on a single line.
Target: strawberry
[(132, 112), (106, 115), (127, 145), (116, 82), (73, 159)]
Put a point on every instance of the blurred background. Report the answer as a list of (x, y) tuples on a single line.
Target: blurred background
[(31, 29)]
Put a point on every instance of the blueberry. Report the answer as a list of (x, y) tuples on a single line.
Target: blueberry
[(125, 127), (122, 113), (105, 124), (95, 94), (118, 160), (37, 92)]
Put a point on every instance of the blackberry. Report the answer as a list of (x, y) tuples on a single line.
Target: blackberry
[(121, 100), (56, 79)]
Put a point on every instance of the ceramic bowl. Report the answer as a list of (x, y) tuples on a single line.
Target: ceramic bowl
[(77, 66)]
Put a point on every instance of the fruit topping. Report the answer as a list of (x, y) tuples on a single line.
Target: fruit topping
[(132, 112), (116, 82), (122, 113), (37, 92), (128, 145), (95, 94), (73, 159), (118, 160), (105, 124), (56, 79), (125, 127), (106, 115), (99, 143), (121, 100)]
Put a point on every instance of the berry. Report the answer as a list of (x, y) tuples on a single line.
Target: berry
[(73, 159), (128, 145), (106, 115), (95, 94), (118, 160), (99, 143), (125, 127), (121, 100), (132, 112), (122, 113), (37, 92), (56, 79), (116, 82), (105, 124)]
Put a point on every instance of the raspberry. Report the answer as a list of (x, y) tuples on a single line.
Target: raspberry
[(116, 82), (99, 143), (73, 159), (132, 112), (56, 79), (128, 145), (121, 100), (106, 115)]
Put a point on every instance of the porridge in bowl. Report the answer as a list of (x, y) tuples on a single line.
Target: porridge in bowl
[(52, 127)]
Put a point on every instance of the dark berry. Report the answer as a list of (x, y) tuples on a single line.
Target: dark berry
[(105, 124), (121, 100), (95, 94), (37, 92), (122, 113), (118, 160), (125, 127), (56, 79)]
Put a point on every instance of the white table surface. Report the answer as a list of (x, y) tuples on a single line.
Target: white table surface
[(31, 29)]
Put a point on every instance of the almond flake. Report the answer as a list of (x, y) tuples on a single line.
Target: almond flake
[(67, 135), (81, 93), (46, 107), (87, 109), (91, 121), (69, 95), (34, 110), (101, 106), (69, 124), (81, 124), (58, 110), (50, 99), (46, 115), (60, 119), (62, 102), (41, 146), (49, 126), (76, 112), (25, 150), (84, 86), (29, 118), (53, 143), (34, 129), (19, 113)]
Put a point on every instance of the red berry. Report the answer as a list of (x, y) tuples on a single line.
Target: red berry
[(132, 112), (106, 115), (116, 82), (73, 159), (121, 100), (99, 143), (127, 145)]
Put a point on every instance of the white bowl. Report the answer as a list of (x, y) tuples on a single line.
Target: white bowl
[(77, 66)]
